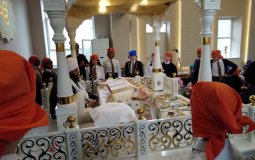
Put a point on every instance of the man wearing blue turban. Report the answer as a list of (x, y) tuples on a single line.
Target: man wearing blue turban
[(133, 67)]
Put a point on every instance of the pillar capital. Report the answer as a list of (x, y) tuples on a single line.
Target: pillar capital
[(208, 4)]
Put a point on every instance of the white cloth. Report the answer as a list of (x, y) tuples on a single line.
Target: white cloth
[(9, 157), (111, 114), (108, 66), (72, 64), (215, 71), (229, 152), (99, 70), (80, 88), (83, 113)]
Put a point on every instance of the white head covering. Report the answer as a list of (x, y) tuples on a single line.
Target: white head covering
[(72, 64)]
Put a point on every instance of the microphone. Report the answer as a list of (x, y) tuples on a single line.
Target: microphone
[(175, 49)]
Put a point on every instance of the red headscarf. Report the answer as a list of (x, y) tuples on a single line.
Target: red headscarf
[(111, 50), (94, 57), (44, 61), (216, 109), (19, 112), (32, 59)]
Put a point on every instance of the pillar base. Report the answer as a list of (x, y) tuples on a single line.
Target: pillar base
[(62, 114), (158, 81)]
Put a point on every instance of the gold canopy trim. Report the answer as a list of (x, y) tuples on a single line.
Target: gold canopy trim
[(87, 8)]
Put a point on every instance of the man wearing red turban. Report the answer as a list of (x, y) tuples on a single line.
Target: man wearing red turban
[(169, 68), (95, 71), (196, 66), (221, 68), (213, 120), (19, 112), (35, 61), (48, 75), (111, 65)]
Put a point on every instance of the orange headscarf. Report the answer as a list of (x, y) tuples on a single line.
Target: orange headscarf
[(94, 57), (19, 112), (216, 110)]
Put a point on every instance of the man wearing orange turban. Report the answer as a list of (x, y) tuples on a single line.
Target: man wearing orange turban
[(213, 120), (19, 112), (168, 67), (95, 71), (111, 65)]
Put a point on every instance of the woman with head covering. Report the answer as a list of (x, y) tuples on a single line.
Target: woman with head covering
[(19, 112), (95, 71), (133, 67), (169, 68), (213, 120), (48, 74), (111, 65)]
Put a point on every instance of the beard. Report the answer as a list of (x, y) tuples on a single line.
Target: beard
[(74, 77)]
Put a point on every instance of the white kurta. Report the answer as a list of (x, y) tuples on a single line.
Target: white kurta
[(99, 71), (108, 66)]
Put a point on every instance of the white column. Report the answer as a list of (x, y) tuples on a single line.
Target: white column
[(208, 10), (66, 110), (72, 34), (157, 76)]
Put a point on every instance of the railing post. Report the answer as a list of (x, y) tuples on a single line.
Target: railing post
[(74, 147), (141, 140)]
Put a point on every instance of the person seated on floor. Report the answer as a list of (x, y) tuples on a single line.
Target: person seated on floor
[(19, 111), (169, 68), (81, 96), (48, 74), (95, 71), (133, 67), (213, 120)]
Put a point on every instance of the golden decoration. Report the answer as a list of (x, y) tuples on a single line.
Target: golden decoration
[(60, 47), (156, 70), (156, 43), (140, 112), (174, 75), (73, 46), (65, 100), (206, 40), (252, 99), (70, 122)]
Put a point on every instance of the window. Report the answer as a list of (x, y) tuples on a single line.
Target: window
[(149, 29), (85, 31), (229, 37)]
